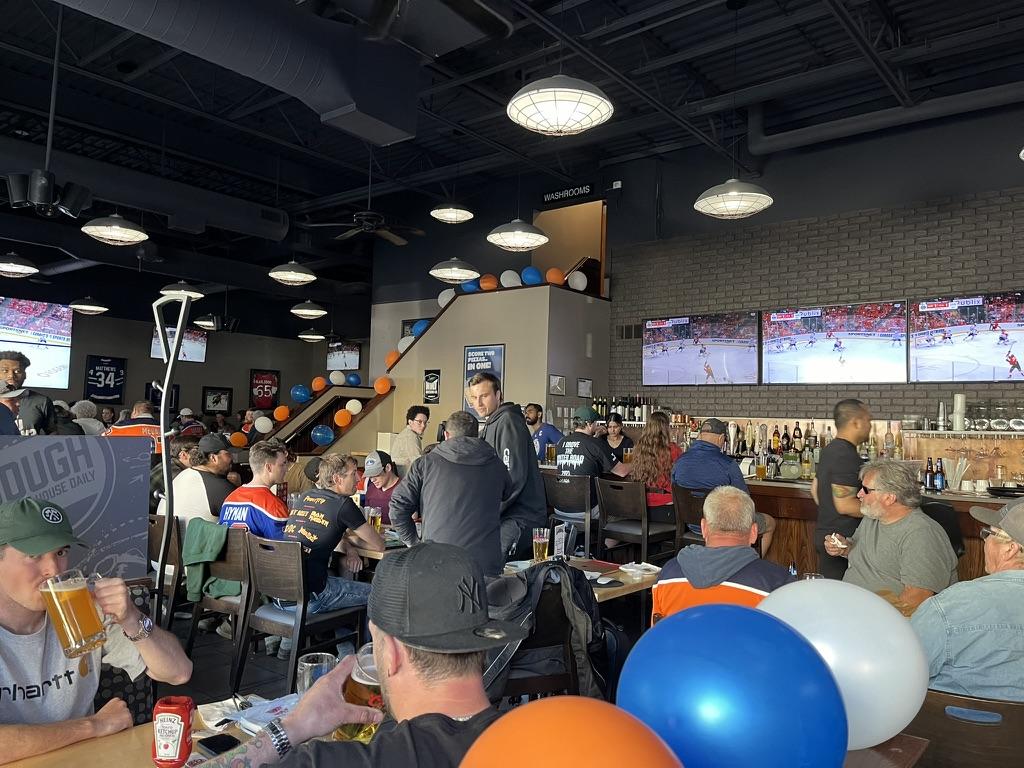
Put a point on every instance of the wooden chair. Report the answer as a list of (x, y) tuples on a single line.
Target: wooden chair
[(944, 514), (570, 494), (550, 629), (275, 570), (173, 587), (689, 506), (623, 515), (233, 565), (966, 732), (138, 694)]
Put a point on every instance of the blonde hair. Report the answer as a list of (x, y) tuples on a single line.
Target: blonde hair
[(652, 456)]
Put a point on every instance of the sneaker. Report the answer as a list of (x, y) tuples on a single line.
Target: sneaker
[(271, 644), (285, 651), (345, 649), (224, 630), (183, 615), (209, 624)]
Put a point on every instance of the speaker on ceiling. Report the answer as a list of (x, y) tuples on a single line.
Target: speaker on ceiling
[(74, 198), (17, 190), (42, 188)]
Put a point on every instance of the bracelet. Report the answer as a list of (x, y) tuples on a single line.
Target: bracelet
[(278, 737)]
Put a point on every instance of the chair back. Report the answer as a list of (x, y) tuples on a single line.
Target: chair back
[(156, 536), (568, 493), (233, 562), (944, 514), (689, 504), (621, 499), (276, 568), (966, 732)]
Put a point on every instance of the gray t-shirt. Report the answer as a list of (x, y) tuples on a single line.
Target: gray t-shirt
[(912, 552), (39, 685)]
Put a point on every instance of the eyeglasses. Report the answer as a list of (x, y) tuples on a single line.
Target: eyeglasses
[(424, 422), (987, 531), (867, 490)]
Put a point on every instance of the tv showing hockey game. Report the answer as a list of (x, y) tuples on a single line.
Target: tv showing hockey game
[(971, 338), (193, 346), (42, 333), (846, 343), (701, 349), (342, 356)]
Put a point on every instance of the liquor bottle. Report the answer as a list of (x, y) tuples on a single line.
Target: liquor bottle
[(872, 445), (645, 410), (806, 463), (897, 452), (798, 438), (816, 456), (929, 476), (787, 442), (638, 409), (828, 435), (776, 440), (889, 442), (811, 438), (940, 476)]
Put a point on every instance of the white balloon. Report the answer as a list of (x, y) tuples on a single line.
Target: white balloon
[(445, 297), (510, 278), (405, 342), (577, 281), (263, 425), (872, 650), (353, 406), (336, 377)]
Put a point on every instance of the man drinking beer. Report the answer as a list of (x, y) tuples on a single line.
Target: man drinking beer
[(46, 698)]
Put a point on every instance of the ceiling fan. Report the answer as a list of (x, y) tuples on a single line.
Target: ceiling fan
[(370, 222)]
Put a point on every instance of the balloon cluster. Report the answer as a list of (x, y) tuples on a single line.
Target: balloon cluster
[(512, 279)]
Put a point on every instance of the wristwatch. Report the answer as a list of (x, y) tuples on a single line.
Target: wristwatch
[(278, 737), (145, 629)]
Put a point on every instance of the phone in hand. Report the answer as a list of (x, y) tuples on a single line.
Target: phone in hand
[(218, 744)]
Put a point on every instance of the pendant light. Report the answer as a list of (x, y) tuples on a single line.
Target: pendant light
[(308, 310), (454, 271), (1022, 153), (311, 335), (115, 230), (88, 306), (182, 290), (451, 213), (559, 106), (206, 322), (292, 273), (517, 235), (13, 265)]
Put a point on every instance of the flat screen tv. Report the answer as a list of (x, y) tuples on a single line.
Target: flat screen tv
[(41, 332), (193, 346), (701, 349), (844, 343), (971, 338), (342, 356)]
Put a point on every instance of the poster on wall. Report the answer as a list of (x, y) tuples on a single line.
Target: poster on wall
[(263, 388), (432, 386), (153, 395), (104, 379), (484, 357)]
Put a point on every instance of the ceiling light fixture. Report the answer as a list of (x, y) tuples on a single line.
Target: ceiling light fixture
[(733, 200), (181, 289), (207, 322), (13, 265), (1022, 153), (312, 335), (559, 106), (308, 310), (115, 230), (517, 235), (454, 271), (451, 213), (89, 306), (292, 273)]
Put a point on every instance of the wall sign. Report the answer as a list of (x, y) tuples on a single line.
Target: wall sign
[(487, 357), (264, 386), (104, 379), (432, 386), (568, 194)]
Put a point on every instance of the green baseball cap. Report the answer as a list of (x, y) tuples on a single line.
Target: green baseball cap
[(587, 414), (35, 527)]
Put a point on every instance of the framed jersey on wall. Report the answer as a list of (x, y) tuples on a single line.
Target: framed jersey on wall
[(264, 386), (104, 379)]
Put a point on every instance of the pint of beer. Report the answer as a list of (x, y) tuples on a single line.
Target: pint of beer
[(361, 688), (550, 453), (540, 543), (73, 613)]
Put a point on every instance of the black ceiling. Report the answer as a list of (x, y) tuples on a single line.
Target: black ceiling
[(679, 72)]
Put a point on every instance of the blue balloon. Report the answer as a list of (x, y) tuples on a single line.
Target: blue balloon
[(322, 434), (353, 380), (419, 327), (728, 686), (301, 393), (531, 276), (470, 286)]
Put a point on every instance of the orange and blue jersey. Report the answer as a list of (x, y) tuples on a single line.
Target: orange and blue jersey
[(139, 426), (257, 509)]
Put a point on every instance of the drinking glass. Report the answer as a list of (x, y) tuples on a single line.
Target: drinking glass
[(549, 453), (373, 517), (73, 613), (627, 455), (361, 688), (811, 576), (540, 543), (311, 667)]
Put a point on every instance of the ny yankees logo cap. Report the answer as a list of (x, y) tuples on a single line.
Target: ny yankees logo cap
[(433, 597), (35, 527)]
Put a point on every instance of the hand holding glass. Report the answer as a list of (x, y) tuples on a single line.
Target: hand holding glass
[(311, 667), (363, 689), (73, 613)]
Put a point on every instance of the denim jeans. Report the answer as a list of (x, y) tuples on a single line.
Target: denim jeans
[(338, 593)]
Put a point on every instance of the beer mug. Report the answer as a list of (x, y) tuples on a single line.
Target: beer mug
[(73, 613), (363, 689), (311, 667)]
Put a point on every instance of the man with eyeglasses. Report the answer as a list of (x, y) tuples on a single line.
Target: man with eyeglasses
[(973, 633), (896, 548), (408, 444)]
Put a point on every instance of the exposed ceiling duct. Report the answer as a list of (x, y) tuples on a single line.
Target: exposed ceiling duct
[(366, 88), (188, 208)]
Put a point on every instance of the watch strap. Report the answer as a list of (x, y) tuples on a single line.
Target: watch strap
[(145, 629), (278, 737)]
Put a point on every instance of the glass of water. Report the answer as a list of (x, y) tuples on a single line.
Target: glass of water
[(311, 667)]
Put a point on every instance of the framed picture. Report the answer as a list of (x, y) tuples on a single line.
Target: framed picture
[(556, 384), (153, 395), (264, 386), (584, 388), (217, 399)]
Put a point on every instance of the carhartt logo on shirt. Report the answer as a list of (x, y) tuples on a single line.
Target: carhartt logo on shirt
[(15, 692)]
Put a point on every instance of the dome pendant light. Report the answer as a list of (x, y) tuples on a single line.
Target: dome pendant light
[(308, 310), (207, 322), (454, 271), (733, 200), (115, 230), (451, 213), (312, 335), (559, 106), (182, 290), (13, 265), (517, 235), (89, 306), (292, 273)]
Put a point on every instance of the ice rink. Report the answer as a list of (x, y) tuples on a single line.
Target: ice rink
[(731, 365), (864, 360), (980, 359), (50, 361)]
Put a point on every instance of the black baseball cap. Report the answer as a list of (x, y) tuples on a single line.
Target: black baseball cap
[(311, 469), (433, 597), (214, 443), (713, 427)]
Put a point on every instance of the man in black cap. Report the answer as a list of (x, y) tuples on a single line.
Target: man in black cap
[(201, 488), (429, 622)]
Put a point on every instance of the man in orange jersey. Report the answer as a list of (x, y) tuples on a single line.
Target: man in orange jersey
[(725, 570), (141, 423), (255, 506)]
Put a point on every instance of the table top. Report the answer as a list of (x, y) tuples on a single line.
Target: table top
[(901, 751)]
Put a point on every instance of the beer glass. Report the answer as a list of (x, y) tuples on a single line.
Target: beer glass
[(627, 455), (540, 543), (809, 576), (374, 517), (549, 453), (361, 688), (311, 667), (761, 467), (73, 613)]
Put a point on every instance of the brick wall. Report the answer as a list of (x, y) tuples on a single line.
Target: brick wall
[(959, 246)]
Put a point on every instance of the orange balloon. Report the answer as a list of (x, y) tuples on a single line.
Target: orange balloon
[(382, 385), (282, 412), (524, 737), (238, 439), (488, 283), (391, 358), (319, 384), (555, 276), (342, 418)]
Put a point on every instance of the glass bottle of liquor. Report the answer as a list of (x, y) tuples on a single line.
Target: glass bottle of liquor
[(798, 438), (929, 476), (828, 435), (940, 476), (787, 442), (776, 440), (897, 452), (889, 442), (810, 437), (872, 445)]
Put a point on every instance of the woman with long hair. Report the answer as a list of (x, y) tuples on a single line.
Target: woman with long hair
[(653, 457), (617, 440)]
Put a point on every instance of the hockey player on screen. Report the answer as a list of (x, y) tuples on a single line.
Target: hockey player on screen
[(811, 340), (1014, 364), (703, 351), (709, 374), (897, 340), (838, 347), (972, 333), (791, 344), (947, 336), (1004, 337)]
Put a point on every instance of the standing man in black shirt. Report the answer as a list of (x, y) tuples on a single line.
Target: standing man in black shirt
[(837, 482), (428, 619)]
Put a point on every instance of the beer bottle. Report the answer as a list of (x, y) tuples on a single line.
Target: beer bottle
[(798, 438), (786, 441), (929, 476), (776, 440), (940, 476)]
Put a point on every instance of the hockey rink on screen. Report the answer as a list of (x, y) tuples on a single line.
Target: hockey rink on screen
[(730, 364), (861, 361), (980, 359)]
